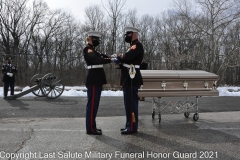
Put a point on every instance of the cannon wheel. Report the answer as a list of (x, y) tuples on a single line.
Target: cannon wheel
[(33, 82), (52, 86)]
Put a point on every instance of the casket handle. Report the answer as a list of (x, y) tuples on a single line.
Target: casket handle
[(185, 84), (163, 84), (215, 85), (206, 84)]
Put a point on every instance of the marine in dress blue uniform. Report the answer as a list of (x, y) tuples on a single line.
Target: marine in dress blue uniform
[(96, 78), (131, 78), (9, 71)]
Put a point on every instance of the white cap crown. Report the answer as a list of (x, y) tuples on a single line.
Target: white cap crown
[(94, 33), (130, 29)]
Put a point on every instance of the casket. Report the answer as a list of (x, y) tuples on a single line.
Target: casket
[(177, 83)]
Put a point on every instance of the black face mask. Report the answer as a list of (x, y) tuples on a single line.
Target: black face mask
[(128, 39), (95, 43)]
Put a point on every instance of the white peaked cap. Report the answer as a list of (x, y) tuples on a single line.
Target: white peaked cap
[(130, 29), (94, 33)]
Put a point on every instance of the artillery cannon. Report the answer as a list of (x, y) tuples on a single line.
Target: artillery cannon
[(49, 85)]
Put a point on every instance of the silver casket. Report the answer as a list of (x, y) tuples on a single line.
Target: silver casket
[(177, 83)]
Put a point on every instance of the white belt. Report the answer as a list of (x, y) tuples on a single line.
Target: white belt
[(129, 66), (95, 66)]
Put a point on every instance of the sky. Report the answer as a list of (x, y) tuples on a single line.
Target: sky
[(77, 7), (80, 91)]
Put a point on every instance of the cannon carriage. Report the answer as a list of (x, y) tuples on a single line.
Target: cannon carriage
[(49, 86)]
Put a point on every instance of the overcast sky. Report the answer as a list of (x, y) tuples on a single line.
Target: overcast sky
[(76, 7)]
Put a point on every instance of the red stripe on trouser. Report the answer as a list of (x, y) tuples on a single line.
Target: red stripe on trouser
[(92, 109), (131, 120)]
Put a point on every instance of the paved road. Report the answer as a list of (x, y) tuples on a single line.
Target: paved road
[(74, 107), (37, 128)]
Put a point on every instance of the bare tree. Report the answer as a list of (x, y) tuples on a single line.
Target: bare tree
[(17, 23), (217, 16), (17, 19), (95, 20), (148, 37), (229, 56), (45, 36), (114, 9), (94, 17), (132, 17)]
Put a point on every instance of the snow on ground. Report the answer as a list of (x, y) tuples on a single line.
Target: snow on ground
[(229, 91), (80, 91)]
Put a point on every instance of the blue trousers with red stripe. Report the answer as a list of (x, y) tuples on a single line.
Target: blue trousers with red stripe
[(131, 106), (93, 94)]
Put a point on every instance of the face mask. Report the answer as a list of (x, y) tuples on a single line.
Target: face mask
[(128, 39), (95, 43), (9, 62)]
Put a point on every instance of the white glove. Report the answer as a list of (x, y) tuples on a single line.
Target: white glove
[(113, 56), (113, 59), (10, 74)]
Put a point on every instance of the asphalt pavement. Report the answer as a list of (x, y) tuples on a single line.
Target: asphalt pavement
[(39, 128)]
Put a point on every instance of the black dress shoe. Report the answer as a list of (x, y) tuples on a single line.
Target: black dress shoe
[(95, 133), (122, 129), (99, 130), (125, 131)]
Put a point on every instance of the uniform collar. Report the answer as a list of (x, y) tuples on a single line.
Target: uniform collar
[(134, 42), (91, 46)]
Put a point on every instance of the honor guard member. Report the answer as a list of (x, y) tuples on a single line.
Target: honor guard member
[(131, 78), (9, 70), (96, 78)]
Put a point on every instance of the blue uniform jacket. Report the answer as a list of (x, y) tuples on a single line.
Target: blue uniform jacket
[(95, 76), (134, 56)]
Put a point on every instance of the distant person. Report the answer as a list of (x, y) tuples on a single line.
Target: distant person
[(131, 78), (9, 71), (96, 78)]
